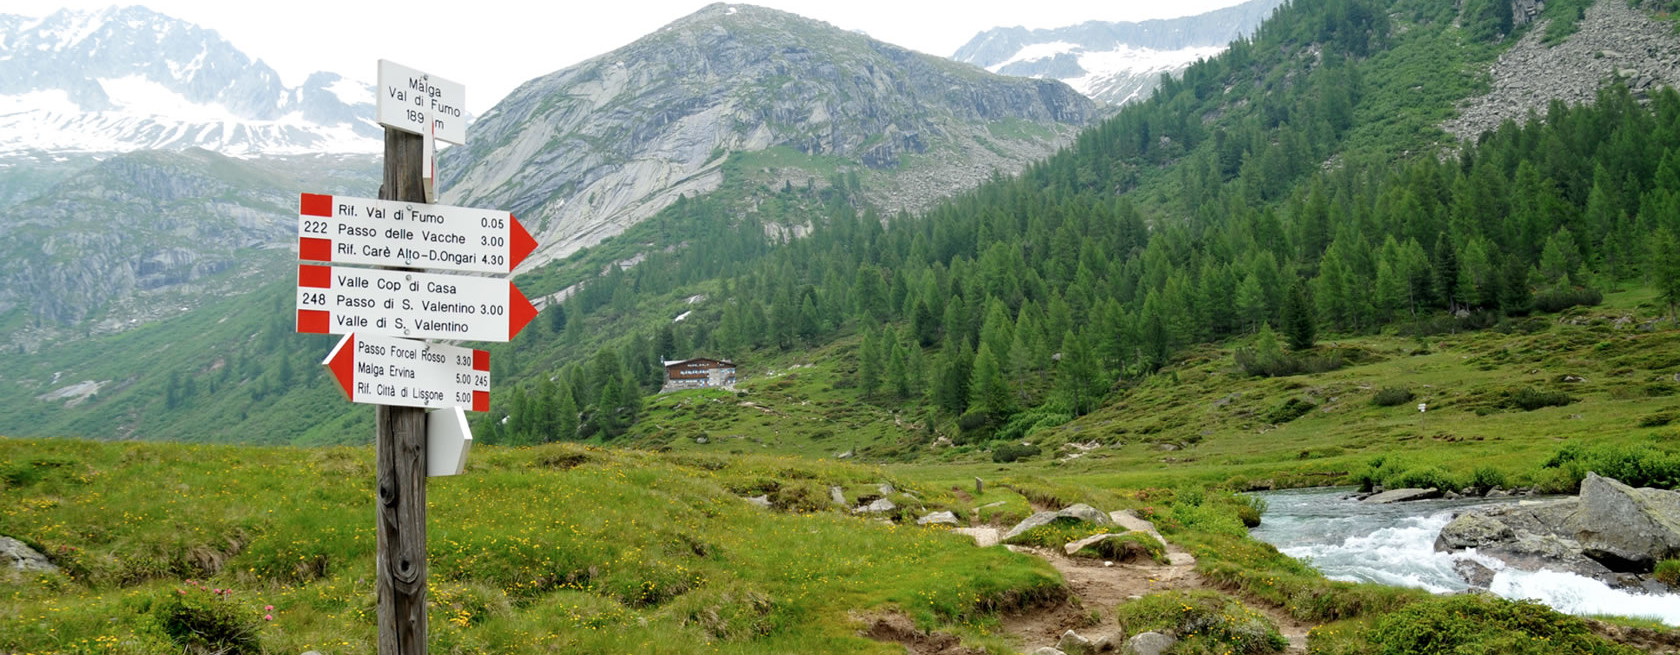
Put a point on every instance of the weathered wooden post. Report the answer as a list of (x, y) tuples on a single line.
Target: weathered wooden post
[(400, 441), (387, 312)]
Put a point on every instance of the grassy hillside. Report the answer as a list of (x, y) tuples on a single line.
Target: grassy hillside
[(560, 548), (1201, 420)]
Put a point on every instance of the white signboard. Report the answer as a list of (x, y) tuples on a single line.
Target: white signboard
[(347, 230), (341, 300), (386, 371), (415, 102), (448, 438)]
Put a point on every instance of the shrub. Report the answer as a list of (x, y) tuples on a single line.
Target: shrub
[(1391, 396), (973, 420), (1024, 424), (1485, 478), (1011, 452), (201, 620), (1206, 622), (1250, 510), (1529, 399), (1637, 465), (1660, 419), (1058, 533), (1290, 410), (1115, 549), (800, 497), (1476, 623), (1668, 572), (1423, 478), (1552, 301)]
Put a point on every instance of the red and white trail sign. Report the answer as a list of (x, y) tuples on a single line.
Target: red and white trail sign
[(341, 300), (386, 371), (346, 230)]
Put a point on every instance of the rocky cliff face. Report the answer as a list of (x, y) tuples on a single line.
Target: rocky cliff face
[(1113, 62), (1614, 41), (155, 221), (587, 151)]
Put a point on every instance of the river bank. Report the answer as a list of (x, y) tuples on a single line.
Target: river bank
[(1394, 544)]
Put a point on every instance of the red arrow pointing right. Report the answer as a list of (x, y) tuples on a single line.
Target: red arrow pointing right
[(342, 362), (520, 311), (520, 242)]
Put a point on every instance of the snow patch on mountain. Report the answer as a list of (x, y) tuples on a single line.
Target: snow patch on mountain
[(1111, 71), (1033, 52), (1113, 62), (127, 78)]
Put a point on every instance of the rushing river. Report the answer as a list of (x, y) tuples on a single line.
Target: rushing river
[(1394, 544)]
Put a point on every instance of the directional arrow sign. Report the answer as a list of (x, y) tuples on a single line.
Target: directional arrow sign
[(409, 100), (386, 371), (340, 300), (346, 230)]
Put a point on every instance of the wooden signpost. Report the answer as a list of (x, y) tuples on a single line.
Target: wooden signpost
[(381, 311)]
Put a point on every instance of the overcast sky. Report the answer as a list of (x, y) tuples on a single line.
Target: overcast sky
[(492, 46)]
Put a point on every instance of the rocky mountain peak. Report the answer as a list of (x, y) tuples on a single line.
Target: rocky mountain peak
[(589, 150), (125, 78)]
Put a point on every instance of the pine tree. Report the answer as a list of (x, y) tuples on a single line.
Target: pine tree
[(988, 388), (1251, 302), (566, 415), (950, 391), (1078, 375), (1665, 269), (869, 364), (1515, 299), (1298, 321), (898, 373), (1445, 267), (924, 325)]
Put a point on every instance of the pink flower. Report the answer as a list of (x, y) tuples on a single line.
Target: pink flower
[(268, 617), (268, 608), (183, 592)]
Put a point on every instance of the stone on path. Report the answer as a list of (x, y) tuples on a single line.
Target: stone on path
[(1129, 520), (983, 537), (942, 518), (1080, 512), (1149, 643), (1073, 644)]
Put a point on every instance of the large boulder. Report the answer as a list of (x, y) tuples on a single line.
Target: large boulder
[(18, 556), (1627, 529), (1473, 530), (1080, 512), (1149, 643), (941, 518), (879, 506), (1402, 495)]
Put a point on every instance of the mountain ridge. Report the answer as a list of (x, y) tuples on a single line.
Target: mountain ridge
[(1115, 62), (586, 151), (128, 78)]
